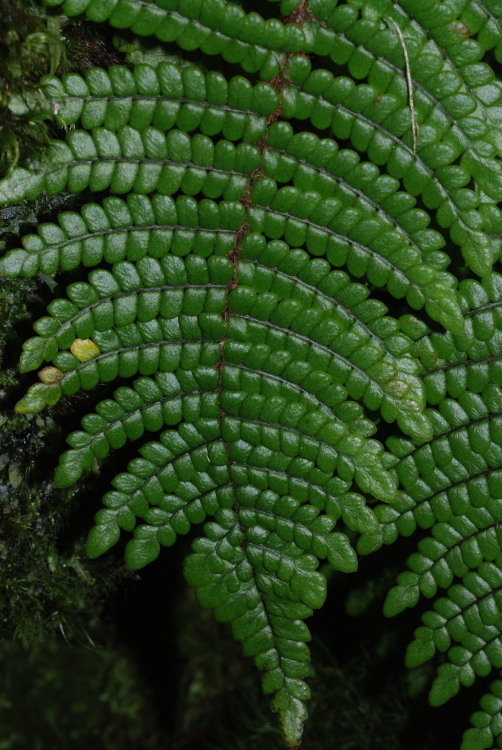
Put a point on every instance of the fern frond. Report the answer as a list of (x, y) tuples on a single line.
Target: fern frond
[(452, 485), (250, 365), (216, 287)]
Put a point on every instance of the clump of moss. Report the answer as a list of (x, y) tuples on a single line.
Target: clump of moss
[(27, 36), (74, 698), (47, 583), (34, 42), (30, 45), (87, 46)]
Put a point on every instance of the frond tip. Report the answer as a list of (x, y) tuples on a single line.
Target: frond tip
[(250, 367)]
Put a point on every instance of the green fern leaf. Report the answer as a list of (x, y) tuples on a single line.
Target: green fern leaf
[(262, 401), (453, 485), (260, 367)]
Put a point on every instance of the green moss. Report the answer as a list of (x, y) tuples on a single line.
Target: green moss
[(30, 44), (43, 587), (74, 698), (34, 42)]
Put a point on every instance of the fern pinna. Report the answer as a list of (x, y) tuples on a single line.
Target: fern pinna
[(452, 485), (254, 359)]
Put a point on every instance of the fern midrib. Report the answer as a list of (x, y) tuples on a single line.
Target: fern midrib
[(186, 504), (334, 354), (481, 648), (293, 386), (333, 302), (161, 97), (466, 363), (488, 306), (398, 271), (135, 347), (489, 14), (126, 293), (456, 124), (376, 126), (234, 256), (272, 514), (197, 23), (450, 431), (293, 430), (463, 609), (357, 192), (273, 551), (458, 483), (290, 476), (261, 595), (431, 561), (145, 405), (137, 160), (468, 314), (132, 228), (142, 290), (245, 543), (449, 487), (173, 459)]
